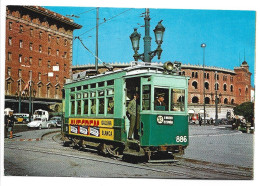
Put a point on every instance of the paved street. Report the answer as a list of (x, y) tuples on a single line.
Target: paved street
[(219, 144), (47, 157)]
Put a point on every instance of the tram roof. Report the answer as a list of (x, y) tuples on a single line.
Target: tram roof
[(135, 68)]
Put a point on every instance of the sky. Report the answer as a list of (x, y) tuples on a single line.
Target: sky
[(229, 35)]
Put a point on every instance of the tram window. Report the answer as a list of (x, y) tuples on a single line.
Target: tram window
[(85, 86), (72, 89), (93, 106), (85, 95), (177, 100), (110, 106), (93, 94), (93, 85), (78, 96), (85, 106), (101, 84), (161, 101), (101, 93), (72, 96), (146, 97), (110, 82), (110, 92), (79, 107), (101, 106), (72, 109), (78, 88)]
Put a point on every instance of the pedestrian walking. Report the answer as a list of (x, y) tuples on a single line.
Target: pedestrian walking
[(200, 121), (6, 126), (11, 121)]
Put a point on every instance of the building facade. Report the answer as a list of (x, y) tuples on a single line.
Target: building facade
[(229, 87), (38, 56)]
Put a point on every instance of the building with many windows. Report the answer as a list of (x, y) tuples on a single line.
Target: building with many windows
[(229, 87), (38, 56)]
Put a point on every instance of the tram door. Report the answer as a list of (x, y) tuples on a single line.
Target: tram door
[(133, 87)]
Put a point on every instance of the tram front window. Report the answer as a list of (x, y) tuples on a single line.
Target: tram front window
[(161, 101), (177, 100)]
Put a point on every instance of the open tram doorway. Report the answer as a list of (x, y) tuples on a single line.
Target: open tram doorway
[(132, 107)]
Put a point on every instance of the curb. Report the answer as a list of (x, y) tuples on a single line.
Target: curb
[(35, 139)]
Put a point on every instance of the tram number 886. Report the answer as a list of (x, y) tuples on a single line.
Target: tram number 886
[(180, 139)]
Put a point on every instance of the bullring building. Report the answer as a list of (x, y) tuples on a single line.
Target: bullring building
[(229, 87)]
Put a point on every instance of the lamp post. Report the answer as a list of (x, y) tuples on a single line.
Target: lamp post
[(34, 94), (135, 38), (203, 45), (216, 98)]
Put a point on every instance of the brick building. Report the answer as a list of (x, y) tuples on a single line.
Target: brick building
[(38, 53), (233, 86)]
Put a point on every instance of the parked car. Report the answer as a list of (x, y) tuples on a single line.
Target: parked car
[(21, 117), (39, 123), (57, 120)]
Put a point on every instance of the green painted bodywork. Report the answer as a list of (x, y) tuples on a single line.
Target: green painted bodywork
[(153, 134), (161, 134)]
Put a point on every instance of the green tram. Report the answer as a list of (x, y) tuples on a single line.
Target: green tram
[(96, 110)]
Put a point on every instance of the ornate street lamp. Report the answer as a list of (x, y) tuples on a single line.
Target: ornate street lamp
[(135, 38), (159, 32)]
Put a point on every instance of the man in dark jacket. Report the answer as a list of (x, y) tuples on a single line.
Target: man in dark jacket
[(11, 121), (6, 126)]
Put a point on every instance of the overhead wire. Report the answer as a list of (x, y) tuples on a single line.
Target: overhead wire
[(105, 21)]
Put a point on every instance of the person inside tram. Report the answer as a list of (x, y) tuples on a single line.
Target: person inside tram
[(133, 110), (159, 102)]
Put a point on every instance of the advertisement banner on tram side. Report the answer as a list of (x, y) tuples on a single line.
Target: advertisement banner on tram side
[(96, 132), (106, 123)]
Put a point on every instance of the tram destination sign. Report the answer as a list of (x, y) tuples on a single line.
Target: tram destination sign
[(165, 119)]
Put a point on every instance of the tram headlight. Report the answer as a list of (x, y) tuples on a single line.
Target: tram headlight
[(172, 68), (168, 66)]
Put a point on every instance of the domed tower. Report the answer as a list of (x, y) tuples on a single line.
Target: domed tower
[(242, 83)]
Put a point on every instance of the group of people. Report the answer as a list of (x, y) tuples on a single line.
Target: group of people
[(9, 124), (134, 111)]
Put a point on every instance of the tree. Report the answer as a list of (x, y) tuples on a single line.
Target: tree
[(245, 109)]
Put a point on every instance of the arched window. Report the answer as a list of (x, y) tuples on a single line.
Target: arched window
[(206, 85), (231, 88), (225, 101), (225, 87), (195, 84), (207, 100), (232, 101), (195, 99), (181, 99), (216, 86)]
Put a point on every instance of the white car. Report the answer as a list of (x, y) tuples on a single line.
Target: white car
[(39, 123)]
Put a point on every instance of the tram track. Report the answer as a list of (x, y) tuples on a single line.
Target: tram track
[(190, 170), (217, 170)]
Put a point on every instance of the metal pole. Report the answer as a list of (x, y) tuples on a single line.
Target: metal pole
[(96, 59), (204, 106), (20, 90), (147, 38), (216, 100), (30, 97)]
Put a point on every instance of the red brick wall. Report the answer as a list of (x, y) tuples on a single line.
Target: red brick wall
[(29, 22)]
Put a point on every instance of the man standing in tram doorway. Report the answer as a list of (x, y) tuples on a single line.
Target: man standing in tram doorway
[(133, 115)]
